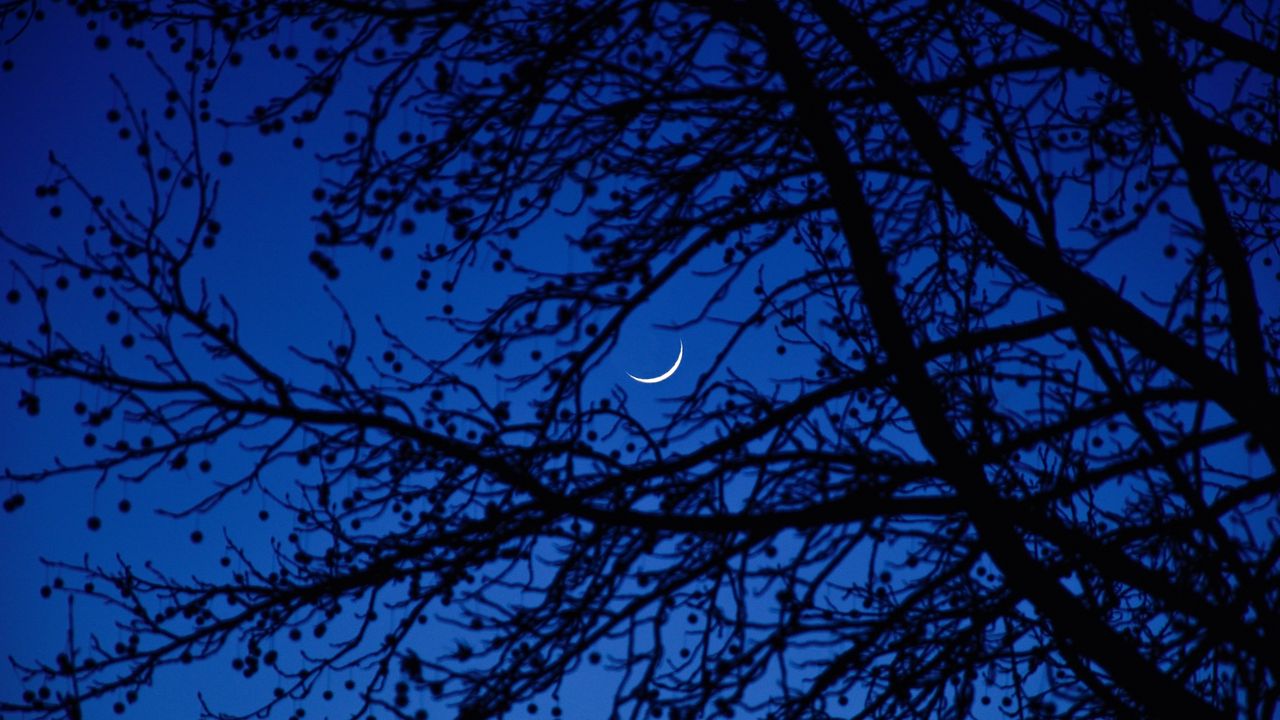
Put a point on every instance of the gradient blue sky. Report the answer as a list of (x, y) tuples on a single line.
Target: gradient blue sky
[(55, 99)]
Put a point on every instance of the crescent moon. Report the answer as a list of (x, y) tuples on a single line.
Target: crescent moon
[(664, 375)]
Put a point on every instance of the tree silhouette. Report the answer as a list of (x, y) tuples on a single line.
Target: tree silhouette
[(1023, 463)]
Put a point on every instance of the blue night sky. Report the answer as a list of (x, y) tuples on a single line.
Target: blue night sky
[(57, 101)]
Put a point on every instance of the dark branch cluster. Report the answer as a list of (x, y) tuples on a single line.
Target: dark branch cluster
[(1021, 255)]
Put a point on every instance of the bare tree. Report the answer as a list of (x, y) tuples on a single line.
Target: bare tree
[(1001, 483)]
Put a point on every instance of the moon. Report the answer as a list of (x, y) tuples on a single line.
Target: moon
[(664, 375)]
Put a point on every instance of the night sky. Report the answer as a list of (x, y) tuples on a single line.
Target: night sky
[(68, 93), (58, 97)]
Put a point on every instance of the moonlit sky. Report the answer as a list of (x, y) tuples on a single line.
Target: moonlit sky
[(55, 99)]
